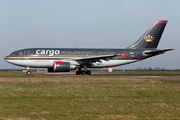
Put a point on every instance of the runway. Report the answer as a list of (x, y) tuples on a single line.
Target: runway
[(173, 78)]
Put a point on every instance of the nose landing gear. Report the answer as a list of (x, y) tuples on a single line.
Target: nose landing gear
[(28, 72)]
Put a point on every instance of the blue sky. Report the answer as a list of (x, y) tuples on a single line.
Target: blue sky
[(88, 24)]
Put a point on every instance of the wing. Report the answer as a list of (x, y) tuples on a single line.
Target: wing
[(97, 58)]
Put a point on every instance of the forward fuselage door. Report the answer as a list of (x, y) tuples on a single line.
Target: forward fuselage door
[(26, 54)]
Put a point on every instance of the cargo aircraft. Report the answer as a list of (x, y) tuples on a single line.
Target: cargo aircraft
[(66, 59)]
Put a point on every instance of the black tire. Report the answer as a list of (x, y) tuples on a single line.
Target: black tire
[(28, 72), (88, 73), (78, 72), (83, 72)]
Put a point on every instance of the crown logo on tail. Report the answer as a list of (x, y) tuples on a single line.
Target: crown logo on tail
[(149, 38)]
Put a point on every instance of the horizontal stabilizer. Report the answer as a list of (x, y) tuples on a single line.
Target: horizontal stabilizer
[(158, 51)]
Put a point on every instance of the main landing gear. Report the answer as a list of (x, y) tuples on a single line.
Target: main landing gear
[(83, 72)]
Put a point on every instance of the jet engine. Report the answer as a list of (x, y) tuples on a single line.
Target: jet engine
[(59, 66)]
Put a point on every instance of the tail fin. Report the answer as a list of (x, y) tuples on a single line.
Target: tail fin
[(151, 37)]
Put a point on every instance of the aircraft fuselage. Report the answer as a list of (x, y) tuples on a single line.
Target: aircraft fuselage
[(44, 57)]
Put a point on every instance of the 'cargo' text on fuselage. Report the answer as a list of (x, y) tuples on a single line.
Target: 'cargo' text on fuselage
[(48, 52)]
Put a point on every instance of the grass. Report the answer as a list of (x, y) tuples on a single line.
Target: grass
[(147, 73), (87, 97)]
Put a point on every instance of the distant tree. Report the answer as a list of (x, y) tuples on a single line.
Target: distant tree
[(157, 69), (150, 69), (163, 69), (139, 69)]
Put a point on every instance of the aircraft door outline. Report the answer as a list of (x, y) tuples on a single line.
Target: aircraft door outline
[(26, 54)]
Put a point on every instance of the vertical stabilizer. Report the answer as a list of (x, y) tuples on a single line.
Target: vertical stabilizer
[(151, 37)]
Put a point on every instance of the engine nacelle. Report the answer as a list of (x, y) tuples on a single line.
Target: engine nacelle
[(59, 66)]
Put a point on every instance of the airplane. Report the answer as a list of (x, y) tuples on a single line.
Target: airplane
[(66, 59)]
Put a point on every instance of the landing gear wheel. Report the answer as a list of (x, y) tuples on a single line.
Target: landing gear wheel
[(83, 72), (78, 72), (28, 72), (88, 73)]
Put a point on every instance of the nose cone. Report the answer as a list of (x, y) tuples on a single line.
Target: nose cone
[(6, 58)]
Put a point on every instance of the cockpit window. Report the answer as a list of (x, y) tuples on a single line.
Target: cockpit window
[(14, 54)]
